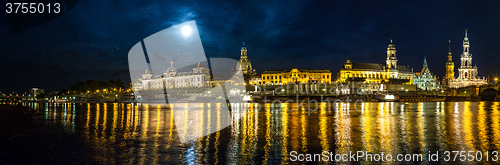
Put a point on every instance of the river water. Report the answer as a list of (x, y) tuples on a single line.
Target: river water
[(268, 133)]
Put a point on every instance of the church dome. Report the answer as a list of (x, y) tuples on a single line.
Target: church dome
[(245, 65), (171, 71)]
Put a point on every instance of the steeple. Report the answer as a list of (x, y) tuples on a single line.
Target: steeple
[(466, 46), (449, 51), (391, 61), (466, 41), (450, 66), (243, 51), (467, 72), (466, 59), (449, 46), (425, 62)]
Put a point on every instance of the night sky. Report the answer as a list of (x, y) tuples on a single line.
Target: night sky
[(92, 40)]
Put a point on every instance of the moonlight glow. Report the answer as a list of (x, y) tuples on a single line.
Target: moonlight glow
[(186, 30)]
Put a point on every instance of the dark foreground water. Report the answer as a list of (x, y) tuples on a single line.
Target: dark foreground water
[(130, 133)]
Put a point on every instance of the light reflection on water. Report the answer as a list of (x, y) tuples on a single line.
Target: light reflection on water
[(131, 133)]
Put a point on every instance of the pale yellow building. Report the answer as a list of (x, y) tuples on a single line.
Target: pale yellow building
[(297, 76), (376, 73)]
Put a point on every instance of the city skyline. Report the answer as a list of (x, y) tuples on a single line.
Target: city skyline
[(94, 45), (250, 82)]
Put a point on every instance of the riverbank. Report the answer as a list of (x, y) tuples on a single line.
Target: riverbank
[(25, 140), (367, 98)]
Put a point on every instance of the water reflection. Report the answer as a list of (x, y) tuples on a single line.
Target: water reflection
[(267, 133)]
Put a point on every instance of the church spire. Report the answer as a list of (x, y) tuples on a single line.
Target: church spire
[(449, 51), (466, 45), (243, 51), (391, 61), (425, 62), (466, 39), (449, 46)]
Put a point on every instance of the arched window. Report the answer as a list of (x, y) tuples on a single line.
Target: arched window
[(465, 74)]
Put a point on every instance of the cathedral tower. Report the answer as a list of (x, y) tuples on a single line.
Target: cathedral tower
[(391, 57), (244, 62), (467, 70), (450, 66), (243, 51), (467, 73)]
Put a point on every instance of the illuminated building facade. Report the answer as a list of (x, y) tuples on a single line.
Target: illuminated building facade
[(376, 73), (467, 73), (450, 68), (199, 77), (255, 81), (297, 76), (424, 79)]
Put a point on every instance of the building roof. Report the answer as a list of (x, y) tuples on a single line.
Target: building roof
[(368, 66), (402, 68), (300, 70), (374, 66), (421, 73)]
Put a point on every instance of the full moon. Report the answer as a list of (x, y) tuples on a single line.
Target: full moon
[(186, 30)]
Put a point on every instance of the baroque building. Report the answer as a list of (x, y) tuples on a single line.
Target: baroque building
[(297, 76), (424, 79), (244, 62), (450, 68), (199, 77), (467, 73), (390, 72)]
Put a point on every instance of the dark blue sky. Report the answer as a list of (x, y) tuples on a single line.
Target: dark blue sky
[(92, 40)]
